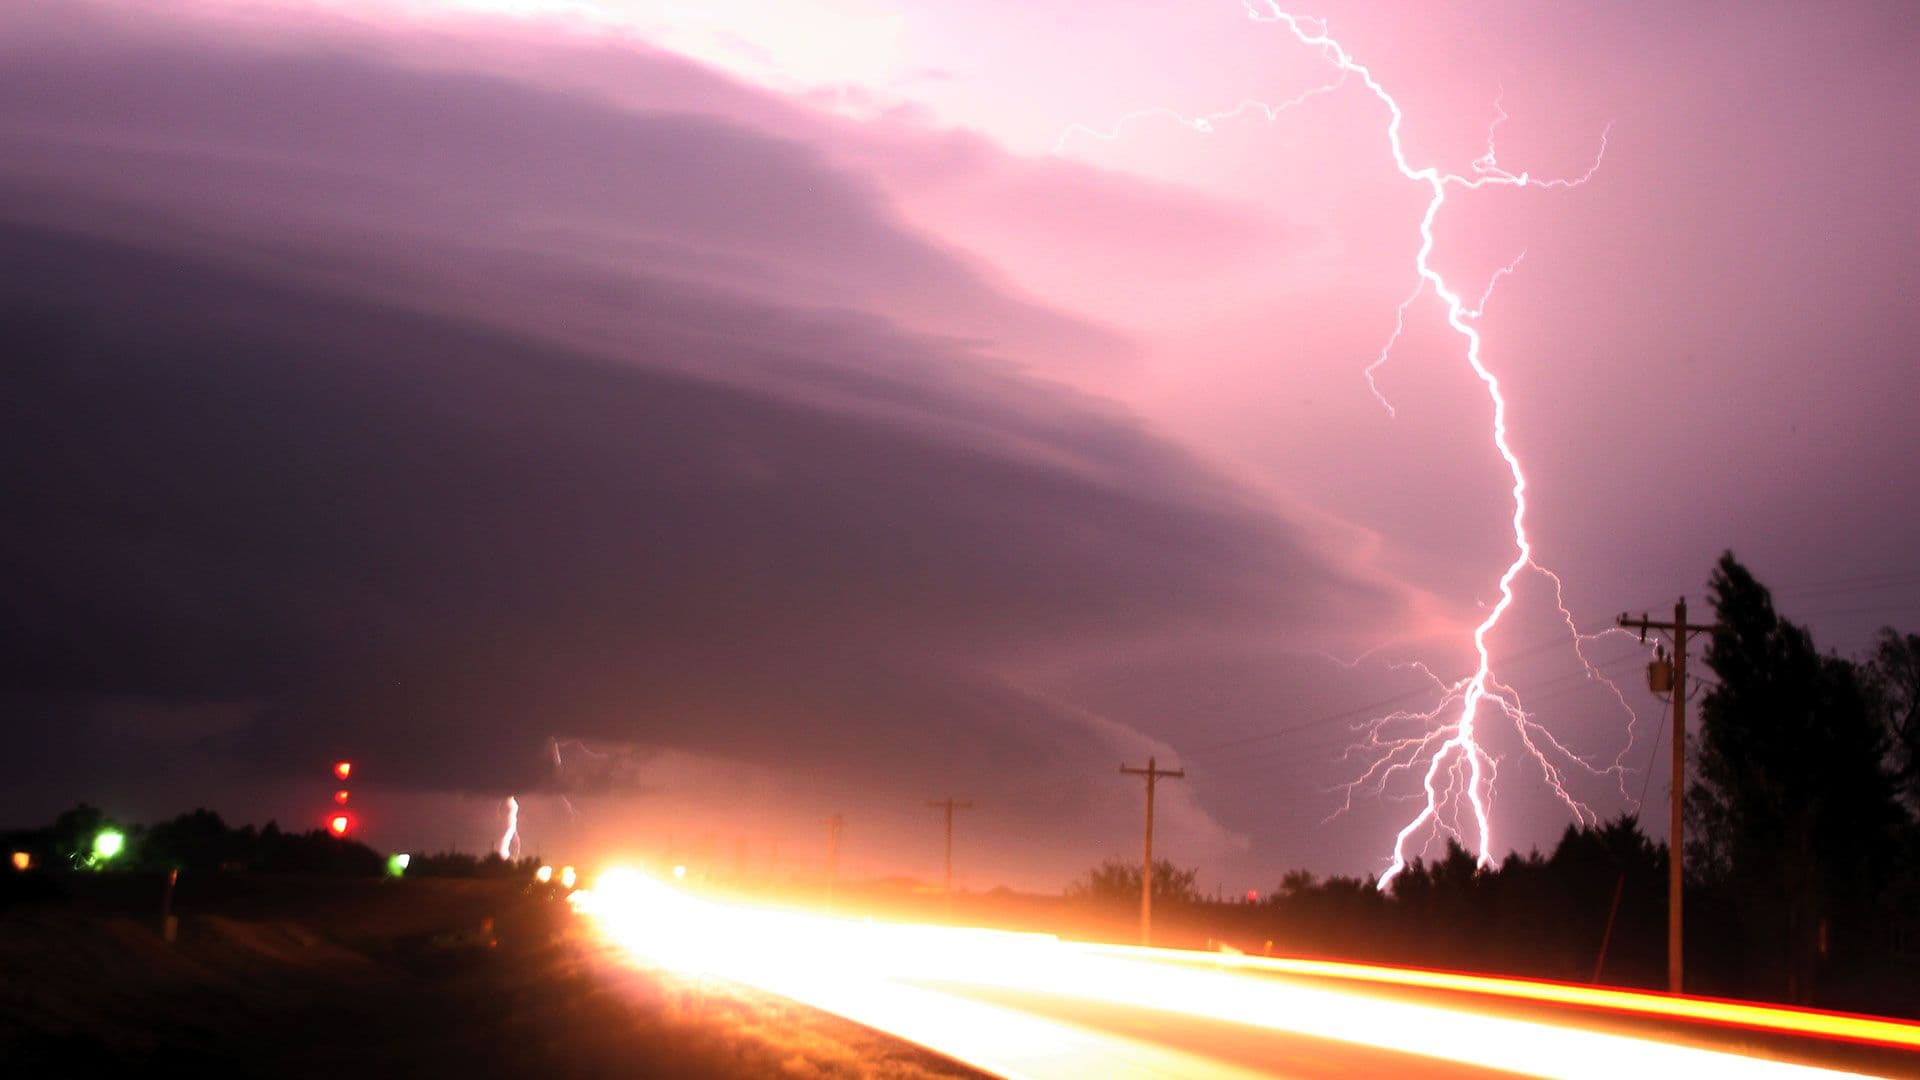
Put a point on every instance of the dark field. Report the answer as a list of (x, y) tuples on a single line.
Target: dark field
[(291, 977)]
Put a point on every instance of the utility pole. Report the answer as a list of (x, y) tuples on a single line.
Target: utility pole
[(834, 824), (1676, 828), (950, 805), (1153, 773)]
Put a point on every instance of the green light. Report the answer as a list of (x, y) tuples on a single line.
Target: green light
[(109, 843), (397, 863)]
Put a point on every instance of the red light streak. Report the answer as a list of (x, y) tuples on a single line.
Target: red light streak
[(1813, 1023)]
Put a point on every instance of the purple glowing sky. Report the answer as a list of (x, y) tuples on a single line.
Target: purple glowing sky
[(784, 408)]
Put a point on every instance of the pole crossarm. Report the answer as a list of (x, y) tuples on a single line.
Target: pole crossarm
[(1644, 624)]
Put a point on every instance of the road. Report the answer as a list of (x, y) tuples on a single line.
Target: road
[(1030, 1005)]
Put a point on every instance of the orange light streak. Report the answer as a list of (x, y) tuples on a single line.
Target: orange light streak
[(1849, 1027), (1809, 1023), (924, 983)]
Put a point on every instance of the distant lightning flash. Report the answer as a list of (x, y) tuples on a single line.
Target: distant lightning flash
[(1459, 772), (560, 766), (512, 835)]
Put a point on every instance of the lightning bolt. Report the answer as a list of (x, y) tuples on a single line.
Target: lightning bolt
[(560, 767), (512, 835), (1457, 772)]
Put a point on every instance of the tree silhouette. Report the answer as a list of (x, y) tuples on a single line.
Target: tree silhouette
[(195, 841), (1119, 879), (1893, 680), (1791, 806)]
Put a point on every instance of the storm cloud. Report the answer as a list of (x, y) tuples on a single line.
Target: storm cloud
[(431, 417)]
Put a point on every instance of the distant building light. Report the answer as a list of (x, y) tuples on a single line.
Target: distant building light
[(568, 877), (23, 860), (543, 875)]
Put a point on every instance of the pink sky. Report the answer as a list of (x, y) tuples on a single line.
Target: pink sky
[(1708, 345)]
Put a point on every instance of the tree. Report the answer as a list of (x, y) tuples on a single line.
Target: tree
[(195, 841), (1792, 809), (1119, 880), (71, 836), (1893, 681), (1295, 883)]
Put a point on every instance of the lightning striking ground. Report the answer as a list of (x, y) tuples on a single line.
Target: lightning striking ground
[(512, 835), (1457, 772)]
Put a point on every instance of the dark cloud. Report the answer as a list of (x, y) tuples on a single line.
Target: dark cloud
[(226, 488), (428, 417), (436, 545)]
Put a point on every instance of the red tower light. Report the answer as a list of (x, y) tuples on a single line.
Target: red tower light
[(341, 769), (337, 824), (340, 796)]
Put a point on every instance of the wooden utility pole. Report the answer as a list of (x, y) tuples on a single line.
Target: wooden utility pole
[(1679, 628), (950, 805), (1153, 773), (834, 825)]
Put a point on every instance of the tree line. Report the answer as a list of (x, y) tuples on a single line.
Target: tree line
[(1802, 860), (201, 842)]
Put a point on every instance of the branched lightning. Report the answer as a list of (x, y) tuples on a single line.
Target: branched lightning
[(1399, 327), (1203, 124), (1457, 772)]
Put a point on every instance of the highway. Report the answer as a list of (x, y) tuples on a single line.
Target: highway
[(1030, 1005)]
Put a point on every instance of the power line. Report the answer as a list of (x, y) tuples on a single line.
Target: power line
[(1844, 584), (1347, 714), (1532, 699), (1851, 583), (1860, 610)]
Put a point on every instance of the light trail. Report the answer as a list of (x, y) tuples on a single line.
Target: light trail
[(1807, 1023), (936, 986), (1457, 771)]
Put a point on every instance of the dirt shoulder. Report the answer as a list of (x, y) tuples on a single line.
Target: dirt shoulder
[(402, 979)]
